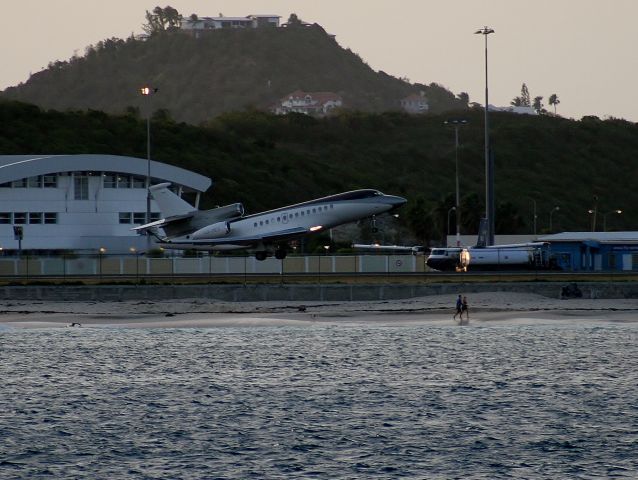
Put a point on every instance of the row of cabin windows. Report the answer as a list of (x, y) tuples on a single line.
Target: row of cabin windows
[(288, 216), (21, 218), (109, 180), (137, 218)]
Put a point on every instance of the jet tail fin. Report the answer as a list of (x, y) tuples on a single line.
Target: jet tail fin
[(481, 241), (169, 203)]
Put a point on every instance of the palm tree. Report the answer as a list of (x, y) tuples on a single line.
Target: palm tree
[(553, 100)]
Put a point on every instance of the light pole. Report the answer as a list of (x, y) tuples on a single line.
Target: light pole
[(448, 224), (605, 218), (101, 251), (489, 174), (594, 211), (456, 123), (555, 209), (593, 222), (534, 216), (148, 92)]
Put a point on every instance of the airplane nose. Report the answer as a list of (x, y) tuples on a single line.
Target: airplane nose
[(396, 202)]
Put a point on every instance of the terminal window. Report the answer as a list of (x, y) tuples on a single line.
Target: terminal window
[(110, 180), (50, 181), (50, 217), (5, 217), (81, 187)]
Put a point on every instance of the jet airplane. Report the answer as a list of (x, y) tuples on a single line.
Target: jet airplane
[(265, 233)]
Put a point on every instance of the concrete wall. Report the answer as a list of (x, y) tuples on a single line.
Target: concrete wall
[(300, 292)]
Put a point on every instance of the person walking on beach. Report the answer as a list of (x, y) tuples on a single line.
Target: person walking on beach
[(464, 308), (459, 308)]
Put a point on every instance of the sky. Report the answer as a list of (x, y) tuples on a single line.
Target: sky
[(584, 51)]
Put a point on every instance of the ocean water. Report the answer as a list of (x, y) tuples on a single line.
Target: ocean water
[(348, 401)]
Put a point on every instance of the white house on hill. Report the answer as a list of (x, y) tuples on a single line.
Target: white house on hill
[(309, 103), (520, 110), (196, 25), (415, 103)]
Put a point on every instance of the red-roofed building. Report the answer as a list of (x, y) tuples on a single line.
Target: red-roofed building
[(415, 103), (310, 103)]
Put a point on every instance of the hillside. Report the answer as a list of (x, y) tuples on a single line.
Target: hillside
[(225, 70), (266, 161)]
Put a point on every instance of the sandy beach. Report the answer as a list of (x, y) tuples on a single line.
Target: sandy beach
[(201, 313)]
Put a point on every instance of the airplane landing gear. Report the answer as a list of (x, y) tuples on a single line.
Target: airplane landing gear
[(280, 253), (261, 256), (373, 223)]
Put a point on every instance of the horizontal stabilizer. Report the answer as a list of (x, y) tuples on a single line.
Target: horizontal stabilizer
[(162, 222)]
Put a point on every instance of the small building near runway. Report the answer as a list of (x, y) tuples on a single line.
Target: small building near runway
[(82, 203), (594, 251)]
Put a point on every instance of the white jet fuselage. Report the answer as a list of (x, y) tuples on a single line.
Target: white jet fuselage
[(289, 222)]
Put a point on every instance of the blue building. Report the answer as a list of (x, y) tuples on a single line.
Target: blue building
[(594, 251)]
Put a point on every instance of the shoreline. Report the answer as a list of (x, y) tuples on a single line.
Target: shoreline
[(485, 308)]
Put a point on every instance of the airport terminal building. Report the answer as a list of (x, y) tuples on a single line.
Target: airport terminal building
[(82, 203)]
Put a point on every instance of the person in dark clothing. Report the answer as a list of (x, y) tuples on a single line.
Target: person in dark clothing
[(459, 308), (465, 308)]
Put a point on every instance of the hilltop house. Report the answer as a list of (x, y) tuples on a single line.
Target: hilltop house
[(195, 25), (309, 103), (415, 103), (520, 110)]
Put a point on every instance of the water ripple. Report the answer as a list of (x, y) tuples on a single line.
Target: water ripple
[(430, 402)]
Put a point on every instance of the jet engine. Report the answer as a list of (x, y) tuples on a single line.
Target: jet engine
[(216, 230)]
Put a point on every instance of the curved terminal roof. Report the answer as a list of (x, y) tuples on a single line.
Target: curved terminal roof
[(15, 167)]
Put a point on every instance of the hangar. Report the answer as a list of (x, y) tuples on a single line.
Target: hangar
[(594, 251), (82, 203)]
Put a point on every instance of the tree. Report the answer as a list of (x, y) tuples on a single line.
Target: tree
[(538, 104), (420, 220), (162, 20), (523, 100), (473, 209), (294, 20), (464, 97), (553, 100), (508, 220), (525, 96)]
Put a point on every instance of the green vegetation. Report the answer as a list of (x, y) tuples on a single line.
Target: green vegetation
[(224, 70), (266, 161)]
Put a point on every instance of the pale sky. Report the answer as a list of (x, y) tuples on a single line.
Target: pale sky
[(585, 51)]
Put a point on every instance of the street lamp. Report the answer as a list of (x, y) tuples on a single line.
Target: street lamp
[(605, 218), (101, 252), (448, 224), (489, 178), (148, 92), (456, 123), (555, 209)]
